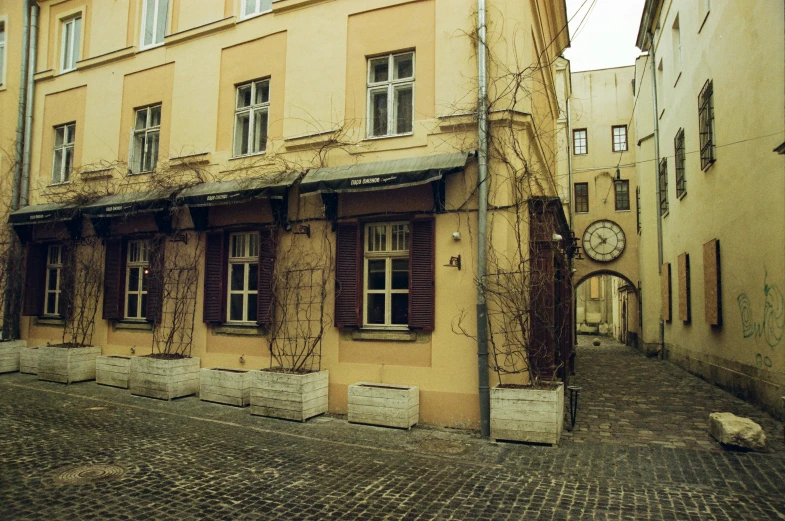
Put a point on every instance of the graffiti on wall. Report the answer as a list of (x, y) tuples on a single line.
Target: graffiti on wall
[(772, 325)]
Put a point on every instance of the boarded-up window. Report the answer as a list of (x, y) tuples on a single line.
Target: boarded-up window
[(665, 280), (712, 286), (594, 288), (685, 305)]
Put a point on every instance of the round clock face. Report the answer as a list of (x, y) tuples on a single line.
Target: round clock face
[(603, 241)]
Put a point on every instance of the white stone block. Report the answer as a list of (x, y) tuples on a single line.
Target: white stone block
[(729, 429), (528, 415), (289, 396), (228, 386), (9, 355), (164, 379), (384, 404), (67, 364), (112, 370)]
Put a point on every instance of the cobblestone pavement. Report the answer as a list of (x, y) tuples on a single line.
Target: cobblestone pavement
[(194, 460)]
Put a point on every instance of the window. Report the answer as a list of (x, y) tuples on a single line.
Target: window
[(676, 44), (252, 7), (679, 160), (622, 191), (391, 95), (72, 33), (386, 276), (136, 279), (54, 268), (251, 117), (704, 6), (580, 144), (63, 153), (706, 124), (595, 288), (663, 186), (154, 18), (243, 276), (638, 208), (581, 197), (2, 52), (146, 135), (619, 138)]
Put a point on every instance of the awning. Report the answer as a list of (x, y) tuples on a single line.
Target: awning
[(237, 190), (43, 213), (382, 175), (129, 204)]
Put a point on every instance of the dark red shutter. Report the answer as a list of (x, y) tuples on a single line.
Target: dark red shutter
[(114, 280), (35, 280), (67, 282), (216, 255), (421, 273), (267, 249), (347, 276), (155, 279)]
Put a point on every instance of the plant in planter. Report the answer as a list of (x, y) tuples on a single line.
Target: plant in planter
[(294, 387), (11, 274)]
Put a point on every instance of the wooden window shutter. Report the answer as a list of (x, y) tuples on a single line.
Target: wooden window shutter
[(215, 262), (348, 261), (711, 283), (267, 247), (155, 287), (114, 280), (665, 280), (65, 305), (421, 274), (35, 280), (685, 306)]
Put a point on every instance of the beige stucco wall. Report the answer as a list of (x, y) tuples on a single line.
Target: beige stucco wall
[(739, 200)]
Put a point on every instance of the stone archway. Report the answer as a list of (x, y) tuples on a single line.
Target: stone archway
[(607, 302)]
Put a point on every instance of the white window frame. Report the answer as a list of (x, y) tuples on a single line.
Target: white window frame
[(62, 174), (137, 258), (3, 54), (257, 7), (391, 85), (584, 146), (155, 37), (54, 262), (250, 259), (71, 43), (147, 135), (388, 254), (619, 146), (253, 111)]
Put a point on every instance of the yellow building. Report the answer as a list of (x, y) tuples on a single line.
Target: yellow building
[(290, 173), (712, 267)]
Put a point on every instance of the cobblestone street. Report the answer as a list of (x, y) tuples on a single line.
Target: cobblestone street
[(640, 450)]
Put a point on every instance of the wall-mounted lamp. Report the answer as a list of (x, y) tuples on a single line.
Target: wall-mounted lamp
[(303, 229), (618, 180), (557, 237), (456, 236), (455, 262), (133, 349)]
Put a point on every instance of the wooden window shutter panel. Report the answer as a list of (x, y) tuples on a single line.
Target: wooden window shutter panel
[(65, 305), (114, 280), (155, 287), (348, 285), (665, 280), (268, 245), (711, 283), (685, 311), (421, 274), (35, 280), (215, 262)]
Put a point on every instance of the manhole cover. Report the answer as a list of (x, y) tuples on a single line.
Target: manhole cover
[(441, 446), (85, 474)]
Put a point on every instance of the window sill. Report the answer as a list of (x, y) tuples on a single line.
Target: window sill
[(132, 325), (239, 330), (391, 136), (66, 71), (246, 156), (55, 185), (49, 321), (384, 335), (622, 211), (666, 214), (677, 79), (682, 195), (150, 47), (252, 16)]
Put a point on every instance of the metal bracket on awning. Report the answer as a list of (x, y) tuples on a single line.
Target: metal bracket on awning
[(330, 202), (280, 208), (439, 195), (199, 217)]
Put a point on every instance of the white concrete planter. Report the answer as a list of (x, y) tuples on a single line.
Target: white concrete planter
[(229, 386), (112, 370), (289, 396), (9, 355), (384, 404), (164, 379), (529, 415), (67, 364), (28, 360)]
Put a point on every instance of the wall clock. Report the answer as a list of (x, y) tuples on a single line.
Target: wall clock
[(604, 241)]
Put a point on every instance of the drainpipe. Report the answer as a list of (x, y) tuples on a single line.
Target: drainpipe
[(657, 170), (571, 208), (25, 181), (20, 118), (482, 225)]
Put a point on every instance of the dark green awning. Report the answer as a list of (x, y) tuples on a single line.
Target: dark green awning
[(382, 175), (43, 213), (129, 204), (237, 190)]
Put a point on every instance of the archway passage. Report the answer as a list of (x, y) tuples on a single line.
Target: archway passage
[(607, 304)]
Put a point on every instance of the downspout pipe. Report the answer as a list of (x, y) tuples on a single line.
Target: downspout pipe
[(657, 176), (482, 223), (20, 117), (24, 185)]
